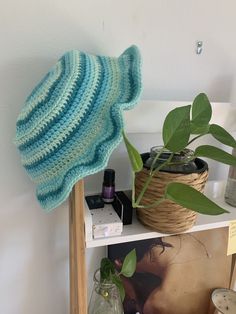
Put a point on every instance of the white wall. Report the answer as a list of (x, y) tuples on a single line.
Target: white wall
[(34, 245)]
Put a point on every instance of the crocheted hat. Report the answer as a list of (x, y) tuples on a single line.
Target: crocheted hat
[(72, 121)]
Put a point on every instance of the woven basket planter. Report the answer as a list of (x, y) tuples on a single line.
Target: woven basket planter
[(168, 217)]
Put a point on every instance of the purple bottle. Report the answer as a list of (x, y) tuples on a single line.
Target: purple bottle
[(108, 187)]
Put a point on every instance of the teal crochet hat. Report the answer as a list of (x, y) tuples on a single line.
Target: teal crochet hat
[(72, 121)]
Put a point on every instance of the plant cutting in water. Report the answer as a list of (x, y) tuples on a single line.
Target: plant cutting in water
[(183, 126), (108, 273)]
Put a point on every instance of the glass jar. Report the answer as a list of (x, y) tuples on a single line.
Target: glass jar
[(105, 298), (230, 191), (181, 162)]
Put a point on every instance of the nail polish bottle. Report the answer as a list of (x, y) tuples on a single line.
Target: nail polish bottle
[(108, 187)]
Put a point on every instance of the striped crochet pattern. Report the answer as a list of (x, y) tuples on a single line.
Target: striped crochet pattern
[(72, 120)]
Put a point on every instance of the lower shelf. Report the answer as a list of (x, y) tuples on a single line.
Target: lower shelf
[(136, 231)]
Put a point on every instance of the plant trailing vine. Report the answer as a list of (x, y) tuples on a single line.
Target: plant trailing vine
[(182, 126), (108, 273)]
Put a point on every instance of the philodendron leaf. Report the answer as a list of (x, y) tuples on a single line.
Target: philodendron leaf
[(106, 269), (201, 110), (134, 156), (190, 198), (118, 282), (129, 264), (215, 153), (176, 129), (222, 135)]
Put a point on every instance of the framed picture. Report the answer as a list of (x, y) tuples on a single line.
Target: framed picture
[(175, 274)]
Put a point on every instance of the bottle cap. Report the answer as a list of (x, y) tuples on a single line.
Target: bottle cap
[(109, 177)]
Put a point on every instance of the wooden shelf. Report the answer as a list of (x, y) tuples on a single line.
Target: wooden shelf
[(143, 135), (136, 231)]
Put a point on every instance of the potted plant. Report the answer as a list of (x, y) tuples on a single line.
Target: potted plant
[(108, 292), (167, 197)]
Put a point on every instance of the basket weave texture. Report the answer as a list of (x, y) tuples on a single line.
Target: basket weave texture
[(167, 217)]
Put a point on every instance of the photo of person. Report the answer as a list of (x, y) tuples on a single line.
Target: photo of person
[(175, 274)]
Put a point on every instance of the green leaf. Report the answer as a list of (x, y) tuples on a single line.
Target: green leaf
[(118, 282), (176, 129), (201, 110), (188, 197), (134, 156), (129, 264), (106, 269), (215, 153), (196, 129), (222, 135)]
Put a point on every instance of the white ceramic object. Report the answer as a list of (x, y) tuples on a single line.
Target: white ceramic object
[(224, 300)]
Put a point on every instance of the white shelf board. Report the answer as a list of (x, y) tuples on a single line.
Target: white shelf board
[(136, 231)]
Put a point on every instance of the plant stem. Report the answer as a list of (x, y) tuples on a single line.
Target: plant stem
[(167, 162), (153, 204), (151, 173), (148, 180), (143, 189), (195, 138), (155, 159), (133, 189)]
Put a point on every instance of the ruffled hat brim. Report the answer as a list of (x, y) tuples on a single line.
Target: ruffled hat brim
[(72, 121)]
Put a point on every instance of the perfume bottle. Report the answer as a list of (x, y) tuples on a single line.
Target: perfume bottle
[(230, 191), (108, 187)]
